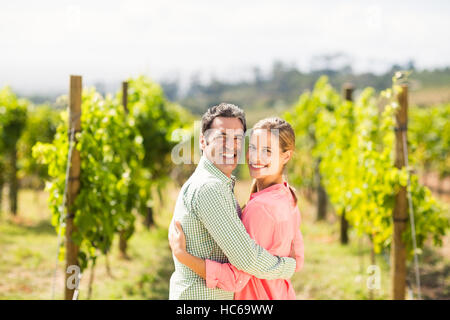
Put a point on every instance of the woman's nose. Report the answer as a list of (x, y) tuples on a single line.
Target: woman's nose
[(254, 156)]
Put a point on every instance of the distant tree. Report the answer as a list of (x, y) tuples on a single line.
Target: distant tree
[(257, 76), (41, 125), (171, 88), (410, 65), (195, 84), (13, 117), (284, 82)]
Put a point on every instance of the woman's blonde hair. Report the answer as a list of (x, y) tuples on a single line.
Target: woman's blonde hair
[(286, 139)]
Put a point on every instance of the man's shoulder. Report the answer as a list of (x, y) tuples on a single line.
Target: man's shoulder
[(202, 186), (204, 182)]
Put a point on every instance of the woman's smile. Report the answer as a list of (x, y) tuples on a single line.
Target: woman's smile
[(257, 166)]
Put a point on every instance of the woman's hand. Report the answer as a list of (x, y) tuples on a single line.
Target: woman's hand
[(177, 239)]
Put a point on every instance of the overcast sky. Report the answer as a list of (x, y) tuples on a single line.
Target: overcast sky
[(42, 42)]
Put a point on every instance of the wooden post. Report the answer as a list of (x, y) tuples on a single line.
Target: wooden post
[(13, 182), (344, 228), (348, 91), (2, 182), (321, 195), (348, 96), (149, 220), (400, 213), (74, 179), (123, 245), (125, 95)]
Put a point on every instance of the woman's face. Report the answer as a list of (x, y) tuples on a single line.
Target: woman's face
[(264, 157)]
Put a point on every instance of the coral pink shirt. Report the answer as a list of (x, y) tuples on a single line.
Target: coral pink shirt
[(272, 219)]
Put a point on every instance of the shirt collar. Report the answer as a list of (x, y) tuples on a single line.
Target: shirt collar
[(211, 168), (274, 188)]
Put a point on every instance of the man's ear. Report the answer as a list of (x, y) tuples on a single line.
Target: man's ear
[(202, 142)]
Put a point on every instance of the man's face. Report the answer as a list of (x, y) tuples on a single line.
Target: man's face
[(222, 143)]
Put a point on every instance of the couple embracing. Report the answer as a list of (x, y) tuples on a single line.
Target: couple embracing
[(220, 251)]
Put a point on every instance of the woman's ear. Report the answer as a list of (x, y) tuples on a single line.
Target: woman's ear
[(286, 156)]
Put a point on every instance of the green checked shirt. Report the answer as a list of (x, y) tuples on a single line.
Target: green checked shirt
[(207, 210)]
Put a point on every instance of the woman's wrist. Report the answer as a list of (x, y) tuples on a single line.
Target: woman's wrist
[(181, 255), (194, 263)]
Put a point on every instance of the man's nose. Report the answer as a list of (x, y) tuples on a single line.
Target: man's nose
[(230, 144)]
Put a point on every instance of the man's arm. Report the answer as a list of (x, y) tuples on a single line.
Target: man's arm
[(216, 209), (260, 227)]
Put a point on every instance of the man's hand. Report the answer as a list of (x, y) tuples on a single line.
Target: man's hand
[(177, 239)]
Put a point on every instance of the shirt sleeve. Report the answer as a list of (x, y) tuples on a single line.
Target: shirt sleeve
[(260, 226), (216, 210)]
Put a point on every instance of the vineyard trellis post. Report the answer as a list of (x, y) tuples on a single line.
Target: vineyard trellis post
[(125, 95), (2, 182), (348, 96), (74, 179), (13, 181), (321, 194), (122, 236), (400, 212)]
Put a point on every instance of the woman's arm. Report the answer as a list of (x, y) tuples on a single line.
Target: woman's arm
[(260, 226), (194, 263), (222, 275)]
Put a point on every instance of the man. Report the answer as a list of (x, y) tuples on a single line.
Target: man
[(210, 215)]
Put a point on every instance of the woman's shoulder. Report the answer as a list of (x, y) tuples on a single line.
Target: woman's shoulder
[(276, 203)]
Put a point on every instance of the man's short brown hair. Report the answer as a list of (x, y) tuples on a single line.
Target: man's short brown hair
[(226, 110)]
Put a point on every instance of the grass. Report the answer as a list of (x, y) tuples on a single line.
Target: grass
[(28, 255), (430, 96), (331, 271)]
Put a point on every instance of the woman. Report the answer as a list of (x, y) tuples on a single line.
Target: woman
[(271, 218)]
